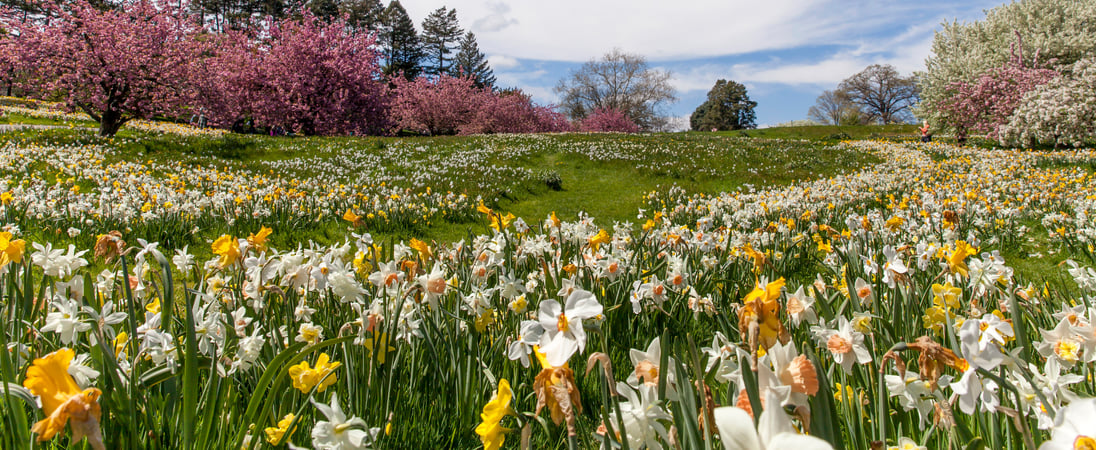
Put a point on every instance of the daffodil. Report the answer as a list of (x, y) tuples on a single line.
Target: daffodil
[(761, 309), (946, 295), (556, 389), (11, 250), (563, 328), (228, 248), (602, 237), (957, 260), (276, 435), (63, 401), (774, 429), (491, 432), (305, 378), (258, 240), (1074, 427), (339, 432)]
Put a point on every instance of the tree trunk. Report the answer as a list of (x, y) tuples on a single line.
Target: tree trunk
[(110, 122)]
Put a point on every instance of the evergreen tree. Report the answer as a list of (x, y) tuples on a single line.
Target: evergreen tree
[(325, 10), (363, 15), (727, 108), (441, 35), (472, 62), (400, 43)]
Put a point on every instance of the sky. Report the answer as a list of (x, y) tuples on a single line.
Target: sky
[(786, 52)]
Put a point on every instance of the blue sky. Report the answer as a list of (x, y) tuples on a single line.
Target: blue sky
[(786, 52)]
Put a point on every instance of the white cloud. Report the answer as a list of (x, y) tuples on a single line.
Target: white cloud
[(496, 20), (502, 62), (906, 53), (517, 78), (578, 30)]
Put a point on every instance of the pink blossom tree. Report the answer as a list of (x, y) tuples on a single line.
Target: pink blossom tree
[(116, 65), (454, 105), (986, 104), (442, 105), (304, 75), (608, 120)]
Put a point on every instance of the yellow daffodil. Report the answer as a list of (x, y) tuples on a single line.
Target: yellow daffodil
[(602, 237), (258, 240), (761, 307), (305, 378), (383, 352), (11, 251), (491, 432), (275, 435), (355, 219), (228, 249), (422, 248), (63, 400), (957, 260), (759, 259), (946, 295)]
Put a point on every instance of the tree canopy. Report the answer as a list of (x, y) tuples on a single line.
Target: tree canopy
[(1062, 31), (441, 36), (882, 93), (471, 62), (400, 43), (618, 81), (728, 108)]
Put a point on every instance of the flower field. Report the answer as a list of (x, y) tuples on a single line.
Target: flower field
[(768, 294)]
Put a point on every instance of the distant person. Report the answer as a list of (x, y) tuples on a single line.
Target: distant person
[(925, 135)]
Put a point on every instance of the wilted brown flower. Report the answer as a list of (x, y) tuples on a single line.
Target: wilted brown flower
[(109, 246)]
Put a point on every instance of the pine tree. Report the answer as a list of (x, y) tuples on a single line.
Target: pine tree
[(728, 108), (363, 15), (400, 43), (472, 62), (325, 10), (441, 35)]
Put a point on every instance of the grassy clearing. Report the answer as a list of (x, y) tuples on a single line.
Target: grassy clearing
[(831, 132), (604, 176)]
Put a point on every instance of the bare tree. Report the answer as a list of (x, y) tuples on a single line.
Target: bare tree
[(834, 108), (619, 81), (882, 93)]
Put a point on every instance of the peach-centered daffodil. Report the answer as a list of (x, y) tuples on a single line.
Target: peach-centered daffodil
[(63, 400), (491, 432)]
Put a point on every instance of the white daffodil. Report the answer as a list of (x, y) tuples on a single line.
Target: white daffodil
[(800, 307), (913, 393), (845, 343), (974, 392), (774, 430), (528, 336), (65, 320), (338, 432), (643, 418), (982, 347), (1074, 427), (1062, 343), (563, 332)]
